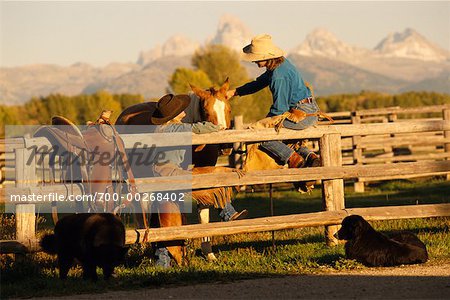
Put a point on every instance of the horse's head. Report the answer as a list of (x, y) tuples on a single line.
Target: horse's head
[(215, 107)]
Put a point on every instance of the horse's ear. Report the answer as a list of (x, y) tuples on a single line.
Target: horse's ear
[(202, 94), (225, 86)]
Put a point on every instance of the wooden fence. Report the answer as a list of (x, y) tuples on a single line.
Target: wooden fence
[(396, 147), (332, 175), (387, 148)]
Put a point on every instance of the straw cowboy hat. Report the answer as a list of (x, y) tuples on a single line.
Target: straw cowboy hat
[(261, 48), (168, 107)]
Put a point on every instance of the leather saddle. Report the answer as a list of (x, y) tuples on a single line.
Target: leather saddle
[(94, 159)]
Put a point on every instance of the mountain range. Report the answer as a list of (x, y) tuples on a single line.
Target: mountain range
[(404, 61)]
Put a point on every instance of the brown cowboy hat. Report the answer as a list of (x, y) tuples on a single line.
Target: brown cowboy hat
[(261, 48), (168, 107)]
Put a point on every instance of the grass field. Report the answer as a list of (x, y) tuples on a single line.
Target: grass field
[(300, 251)]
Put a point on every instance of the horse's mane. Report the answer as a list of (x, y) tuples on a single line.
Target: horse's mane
[(193, 114)]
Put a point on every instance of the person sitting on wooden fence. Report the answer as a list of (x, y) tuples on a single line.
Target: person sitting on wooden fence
[(168, 116), (291, 98)]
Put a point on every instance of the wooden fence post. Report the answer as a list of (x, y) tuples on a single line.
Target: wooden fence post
[(236, 159), (25, 166), (389, 150), (332, 190), (446, 116), (357, 153)]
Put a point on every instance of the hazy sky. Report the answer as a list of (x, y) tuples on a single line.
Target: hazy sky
[(102, 32)]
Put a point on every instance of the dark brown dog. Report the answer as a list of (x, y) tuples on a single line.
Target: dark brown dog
[(93, 239), (372, 248)]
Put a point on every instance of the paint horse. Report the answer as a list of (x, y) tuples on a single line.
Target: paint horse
[(206, 105)]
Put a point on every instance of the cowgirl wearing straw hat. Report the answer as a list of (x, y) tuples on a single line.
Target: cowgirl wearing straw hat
[(288, 92)]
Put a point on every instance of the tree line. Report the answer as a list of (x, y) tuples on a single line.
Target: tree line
[(211, 65), (79, 109)]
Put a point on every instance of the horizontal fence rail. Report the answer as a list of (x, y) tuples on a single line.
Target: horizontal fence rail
[(256, 177), (253, 135), (323, 218), (402, 110)]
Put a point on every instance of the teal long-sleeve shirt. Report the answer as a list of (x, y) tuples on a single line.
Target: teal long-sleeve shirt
[(285, 83)]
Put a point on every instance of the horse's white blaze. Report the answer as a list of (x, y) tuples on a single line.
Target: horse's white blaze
[(219, 108)]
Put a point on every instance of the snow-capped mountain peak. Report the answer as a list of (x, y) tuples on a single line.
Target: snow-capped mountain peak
[(321, 42), (176, 45), (232, 32), (179, 45), (410, 44)]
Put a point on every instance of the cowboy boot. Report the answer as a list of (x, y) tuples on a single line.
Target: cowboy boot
[(295, 161), (312, 160), (228, 213), (239, 215)]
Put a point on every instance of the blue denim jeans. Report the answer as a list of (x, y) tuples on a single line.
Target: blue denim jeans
[(227, 212), (279, 149)]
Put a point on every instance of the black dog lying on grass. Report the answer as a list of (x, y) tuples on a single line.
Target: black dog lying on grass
[(373, 248), (93, 239)]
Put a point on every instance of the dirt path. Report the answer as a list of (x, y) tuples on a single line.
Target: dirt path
[(407, 282)]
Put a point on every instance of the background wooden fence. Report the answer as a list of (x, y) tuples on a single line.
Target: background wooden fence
[(332, 174), (386, 148)]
